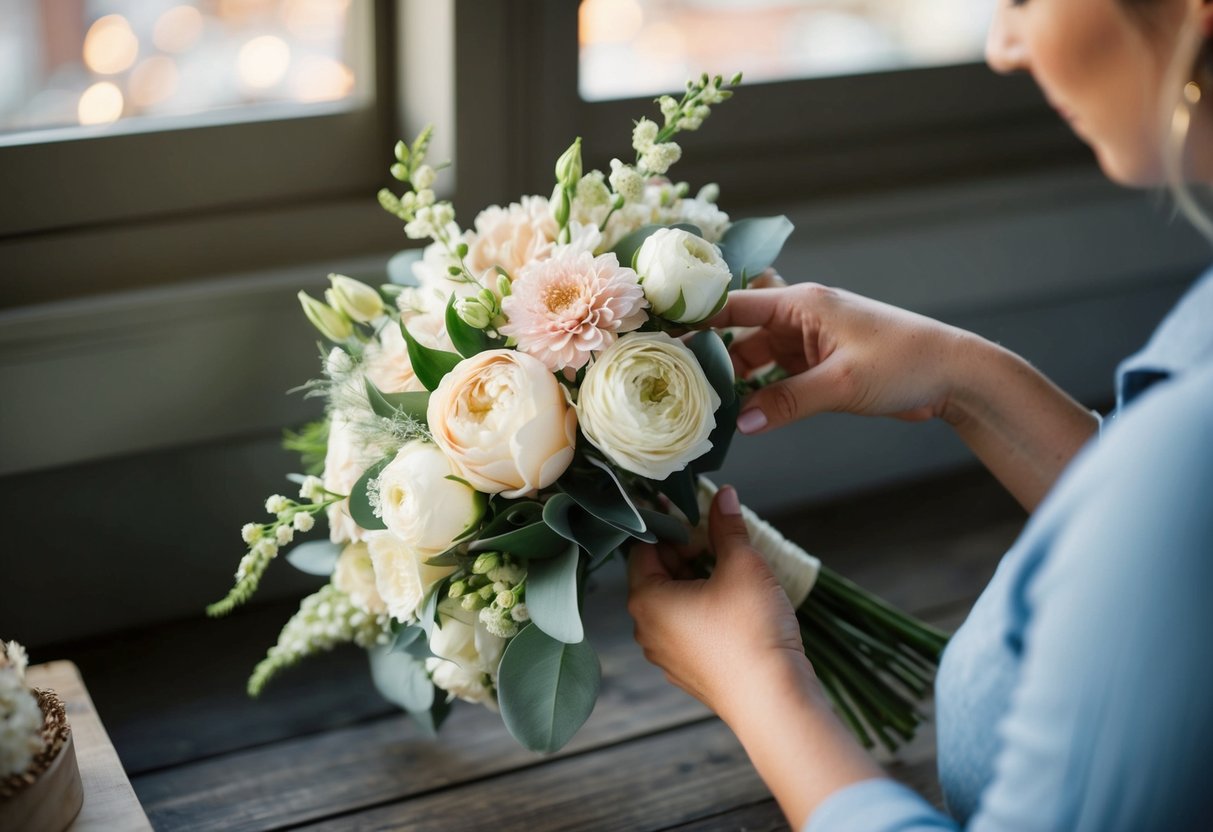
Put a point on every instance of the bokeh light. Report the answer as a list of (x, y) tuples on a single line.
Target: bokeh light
[(101, 103), (177, 29), (110, 46), (154, 81), (264, 61)]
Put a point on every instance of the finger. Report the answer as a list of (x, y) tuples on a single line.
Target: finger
[(751, 352), (727, 528), (746, 308), (783, 402), (645, 568), (768, 279), (675, 566)]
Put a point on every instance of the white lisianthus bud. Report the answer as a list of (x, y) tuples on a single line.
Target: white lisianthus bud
[(284, 535), (276, 503), (647, 405), (568, 166), (353, 297), (421, 503), (303, 522), (684, 276), (250, 532), (626, 181), (472, 313), (506, 599), (402, 576), (332, 324), (644, 134), (423, 178), (504, 287)]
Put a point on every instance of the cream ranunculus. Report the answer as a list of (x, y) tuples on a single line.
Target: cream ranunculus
[(504, 422), (684, 276), (401, 574), (354, 574), (421, 504), (647, 405)]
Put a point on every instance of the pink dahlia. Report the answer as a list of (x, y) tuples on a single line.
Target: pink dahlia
[(571, 305)]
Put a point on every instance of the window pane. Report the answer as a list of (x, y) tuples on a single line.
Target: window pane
[(642, 47), (66, 63)]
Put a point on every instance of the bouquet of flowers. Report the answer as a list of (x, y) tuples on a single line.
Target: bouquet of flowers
[(522, 400)]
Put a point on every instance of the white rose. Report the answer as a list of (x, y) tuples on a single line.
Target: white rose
[(401, 574), (647, 405), (420, 504), (459, 637), (684, 277), (345, 461), (354, 574), (468, 685), (504, 422)]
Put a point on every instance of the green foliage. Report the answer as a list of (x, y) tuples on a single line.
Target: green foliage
[(603, 496), (411, 405), (311, 442), (430, 365), (361, 507), (551, 595), (402, 680), (751, 245), (546, 689), (467, 339), (680, 488), (412, 640), (536, 541), (573, 523), (316, 557), (721, 438), (713, 357)]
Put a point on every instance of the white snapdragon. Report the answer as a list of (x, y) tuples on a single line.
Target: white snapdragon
[(592, 191), (644, 134), (659, 158), (626, 181)]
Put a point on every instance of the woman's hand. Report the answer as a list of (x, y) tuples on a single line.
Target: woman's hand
[(733, 642), (715, 638), (843, 352), (849, 354)]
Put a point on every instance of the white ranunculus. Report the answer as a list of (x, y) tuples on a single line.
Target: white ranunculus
[(504, 422), (420, 504), (674, 264), (401, 574), (647, 405), (354, 574)]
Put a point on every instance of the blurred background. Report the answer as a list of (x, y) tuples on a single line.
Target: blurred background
[(173, 171)]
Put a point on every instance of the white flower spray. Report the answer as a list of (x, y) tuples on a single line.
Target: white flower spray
[(20, 717)]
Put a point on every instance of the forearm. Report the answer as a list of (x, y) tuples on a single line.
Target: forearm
[(1021, 426), (799, 747)]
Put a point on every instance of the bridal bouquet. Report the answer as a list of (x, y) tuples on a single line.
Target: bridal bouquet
[(519, 403)]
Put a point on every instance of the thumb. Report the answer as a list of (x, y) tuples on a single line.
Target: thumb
[(727, 528), (783, 402)]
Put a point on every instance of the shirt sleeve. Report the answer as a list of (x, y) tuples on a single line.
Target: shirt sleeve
[(1110, 725)]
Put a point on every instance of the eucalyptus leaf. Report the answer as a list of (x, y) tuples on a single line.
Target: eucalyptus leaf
[(316, 557), (413, 404), (628, 247), (667, 528), (574, 523), (430, 365), (401, 679), (412, 640), (448, 558), (680, 488), (466, 338), (360, 502), (400, 267), (721, 438), (429, 721), (551, 595), (751, 245), (513, 516), (534, 542), (546, 689), (602, 496), (713, 357), (427, 613)]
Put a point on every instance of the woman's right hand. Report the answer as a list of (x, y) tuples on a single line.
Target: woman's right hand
[(843, 353)]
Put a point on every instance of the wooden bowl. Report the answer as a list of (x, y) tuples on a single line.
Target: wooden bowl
[(49, 794)]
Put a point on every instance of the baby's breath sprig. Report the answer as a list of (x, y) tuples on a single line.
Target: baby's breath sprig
[(265, 539), (325, 619)]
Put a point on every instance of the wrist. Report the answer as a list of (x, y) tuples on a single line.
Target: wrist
[(784, 682), (970, 360)]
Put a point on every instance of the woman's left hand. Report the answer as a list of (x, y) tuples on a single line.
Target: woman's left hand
[(715, 638)]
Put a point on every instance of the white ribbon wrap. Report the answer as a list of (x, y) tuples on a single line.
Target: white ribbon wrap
[(794, 568)]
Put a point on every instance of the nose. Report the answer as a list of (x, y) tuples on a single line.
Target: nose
[(1005, 49)]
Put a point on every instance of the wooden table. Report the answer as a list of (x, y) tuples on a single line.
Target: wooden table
[(322, 751)]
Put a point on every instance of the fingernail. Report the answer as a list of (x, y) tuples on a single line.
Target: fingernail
[(751, 420), (729, 504)]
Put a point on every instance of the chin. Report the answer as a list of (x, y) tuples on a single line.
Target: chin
[(1134, 170)]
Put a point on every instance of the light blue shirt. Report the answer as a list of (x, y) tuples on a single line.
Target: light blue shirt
[(1078, 694)]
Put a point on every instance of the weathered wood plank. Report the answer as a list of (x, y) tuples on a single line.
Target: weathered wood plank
[(649, 783)]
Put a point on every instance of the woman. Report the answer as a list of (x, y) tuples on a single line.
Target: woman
[(1077, 694)]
